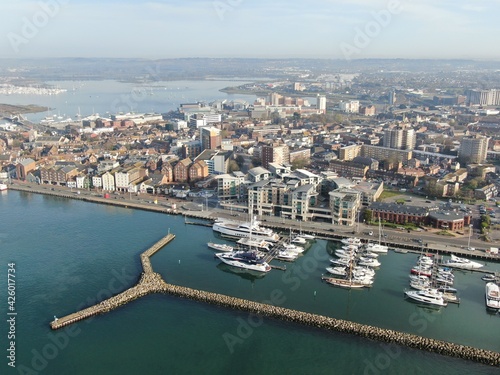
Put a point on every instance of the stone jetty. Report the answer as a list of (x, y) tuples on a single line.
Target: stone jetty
[(332, 324), (149, 282)]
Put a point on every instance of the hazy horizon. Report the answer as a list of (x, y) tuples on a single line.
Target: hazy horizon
[(328, 29)]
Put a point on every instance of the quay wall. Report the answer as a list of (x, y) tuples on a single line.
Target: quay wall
[(332, 324), (323, 234)]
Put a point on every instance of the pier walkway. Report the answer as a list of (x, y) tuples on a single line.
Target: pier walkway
[(150, 282)]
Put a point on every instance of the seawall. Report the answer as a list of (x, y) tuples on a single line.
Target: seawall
[(319, 321)]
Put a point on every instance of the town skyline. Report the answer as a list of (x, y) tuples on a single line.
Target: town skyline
[(239, 29)]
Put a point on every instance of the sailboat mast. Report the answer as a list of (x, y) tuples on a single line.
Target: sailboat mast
[(379, 231)]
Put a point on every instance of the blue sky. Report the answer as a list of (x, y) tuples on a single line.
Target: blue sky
[(251, 28)]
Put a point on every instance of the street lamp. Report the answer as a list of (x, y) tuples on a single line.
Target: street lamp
[(470, 233)]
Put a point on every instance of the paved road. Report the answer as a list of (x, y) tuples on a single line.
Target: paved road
[(199, 207)]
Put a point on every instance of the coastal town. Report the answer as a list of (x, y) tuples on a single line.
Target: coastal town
[(312, 149), (220, 187), (396, 170)]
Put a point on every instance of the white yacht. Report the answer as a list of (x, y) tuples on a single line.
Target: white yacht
[(429, 296), (493, 296), (425, 260), (286, 255), (341, 253), (339, 271), (244, 229), (368, 254), (376, 247), (351, 241), (463, 263), (220, 246), (250, 260), (343, 262), (299, 240), (293, 248), (420, 285), (419, 278), (365, 270), (254, 243), (307, 236), (370, 262)]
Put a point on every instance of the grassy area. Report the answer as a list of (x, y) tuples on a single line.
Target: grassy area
[(445, 233), (388, 194)]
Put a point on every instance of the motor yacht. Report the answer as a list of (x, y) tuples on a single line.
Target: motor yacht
[(250, 260), (429, 296)]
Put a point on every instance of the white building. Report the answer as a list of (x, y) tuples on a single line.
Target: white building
[(97, 181), (321, 103), (108, 181), (179, 125), (351, 106)]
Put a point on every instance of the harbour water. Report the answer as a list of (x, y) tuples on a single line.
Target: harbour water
[(108, 97), (85, 252)]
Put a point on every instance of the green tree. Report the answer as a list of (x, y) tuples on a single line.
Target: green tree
[(233, 166), (300, 162), (368, 216), (256, 162), (240, 160)]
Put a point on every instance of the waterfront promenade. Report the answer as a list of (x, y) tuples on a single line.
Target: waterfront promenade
[(395, 239)]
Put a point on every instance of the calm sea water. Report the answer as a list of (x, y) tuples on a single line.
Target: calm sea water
[(68, 254), (107, 96)]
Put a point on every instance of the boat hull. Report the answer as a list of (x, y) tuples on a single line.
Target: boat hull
[(235, 230), (259, 267), (220, 247)]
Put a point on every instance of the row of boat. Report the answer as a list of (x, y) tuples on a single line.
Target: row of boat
[(253, 241), (354, 267), (431, 284)]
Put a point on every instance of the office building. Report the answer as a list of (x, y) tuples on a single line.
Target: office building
[(210, 138), (275, 153), (483, 97), (351, 106), (321, 103), (400, 138), (473, 149)]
